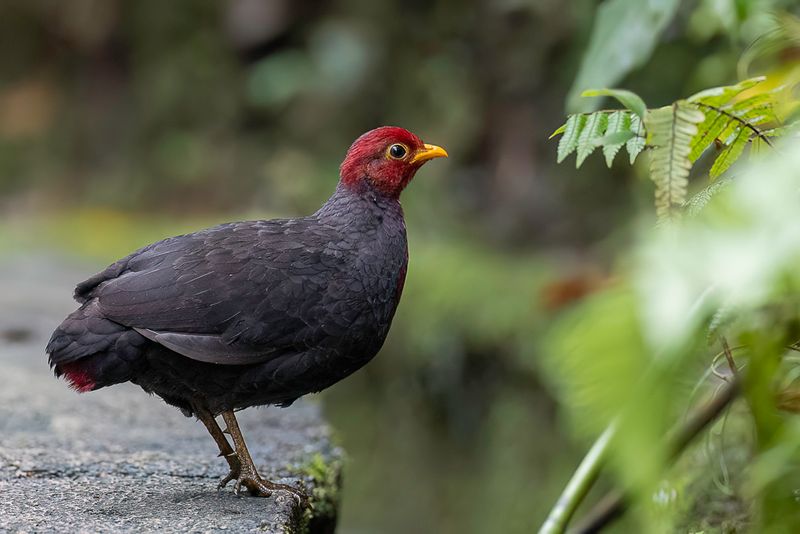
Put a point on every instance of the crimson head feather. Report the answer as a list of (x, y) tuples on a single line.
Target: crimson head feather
[(387, 159)]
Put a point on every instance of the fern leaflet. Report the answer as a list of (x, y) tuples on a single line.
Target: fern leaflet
[(635, 144), (709, 130), (569, 140), (595, 127), (729, 154), (719, 96), (618, 122), (670, 132)]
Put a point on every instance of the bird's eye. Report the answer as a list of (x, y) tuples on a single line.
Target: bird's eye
[(397, 151)]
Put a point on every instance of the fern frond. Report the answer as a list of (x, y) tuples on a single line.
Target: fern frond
[(569, 141), (729, 124), (670, 131), (610, 130), (618, 122), (709, 130), (753, 101), (635, 144), (718, 96), (595, 128), (699, 201), (727, 117), (760, 115), (756, 109), (730, 154), (732, 122)]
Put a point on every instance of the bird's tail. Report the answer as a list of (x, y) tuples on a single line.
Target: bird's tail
[(91, 351)]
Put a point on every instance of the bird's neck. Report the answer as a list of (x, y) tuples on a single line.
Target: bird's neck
[(363, 203)]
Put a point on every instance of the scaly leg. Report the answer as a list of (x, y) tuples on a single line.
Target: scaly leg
[(248, 476), (225, 449)]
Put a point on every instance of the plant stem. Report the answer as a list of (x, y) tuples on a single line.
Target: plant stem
[(579, 485), (743, 122)]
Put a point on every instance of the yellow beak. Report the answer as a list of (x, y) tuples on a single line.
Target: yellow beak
[(428, 152)]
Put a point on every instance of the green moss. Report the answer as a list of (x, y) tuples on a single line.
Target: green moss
[(324, 478)]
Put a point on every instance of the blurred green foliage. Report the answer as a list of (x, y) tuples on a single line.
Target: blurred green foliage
[(651, 337), (624, 35), (683, 289), (124, 121)]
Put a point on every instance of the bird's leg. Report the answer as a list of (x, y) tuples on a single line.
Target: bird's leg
[(248, 475), (225, 449)]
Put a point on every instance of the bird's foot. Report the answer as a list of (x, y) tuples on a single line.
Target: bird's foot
[(257, 486), (234, 473)]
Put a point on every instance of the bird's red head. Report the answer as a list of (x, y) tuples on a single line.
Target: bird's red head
[(387, 159)]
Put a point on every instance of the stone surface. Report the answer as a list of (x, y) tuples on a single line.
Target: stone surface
[(118, 460)]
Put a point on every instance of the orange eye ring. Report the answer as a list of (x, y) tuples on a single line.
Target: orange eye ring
[(397, 151)]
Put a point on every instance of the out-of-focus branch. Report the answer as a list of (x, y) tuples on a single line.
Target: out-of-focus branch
[(579, 485)]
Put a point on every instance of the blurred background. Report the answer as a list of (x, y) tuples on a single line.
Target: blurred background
[(126, 121)]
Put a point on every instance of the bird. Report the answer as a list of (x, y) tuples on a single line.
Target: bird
[(253, 313)]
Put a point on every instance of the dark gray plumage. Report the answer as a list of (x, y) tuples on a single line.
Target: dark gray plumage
[(247, 313)]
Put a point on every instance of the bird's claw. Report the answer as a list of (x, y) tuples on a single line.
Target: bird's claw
[(259, 487), (227, 478), (234, 473)]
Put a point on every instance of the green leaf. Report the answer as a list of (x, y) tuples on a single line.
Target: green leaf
[(635, 144), (726, 117), (595, 127), (629, 99), (717, 96), (624, 35), (760, 116), (619, 122), (711, 128), (611, 139), (730, 154), (730, 131), (753, 101), (558, 131), (758, 146), (757, 109), (611, 144), (781, 131), (670, 132), (699, 201), (569, 141)]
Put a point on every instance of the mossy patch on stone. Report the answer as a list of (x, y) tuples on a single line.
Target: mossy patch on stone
[(324, 478)]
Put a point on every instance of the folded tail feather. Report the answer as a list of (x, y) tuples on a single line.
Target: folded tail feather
[(92, 352)]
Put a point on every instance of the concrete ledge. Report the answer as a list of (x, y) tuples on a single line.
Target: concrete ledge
[(117, 460)]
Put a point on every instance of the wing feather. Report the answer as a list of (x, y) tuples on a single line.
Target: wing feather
[(207, 348), (233, 294)]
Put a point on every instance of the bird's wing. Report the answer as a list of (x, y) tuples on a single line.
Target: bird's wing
[(206, 347), (235, 294)]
